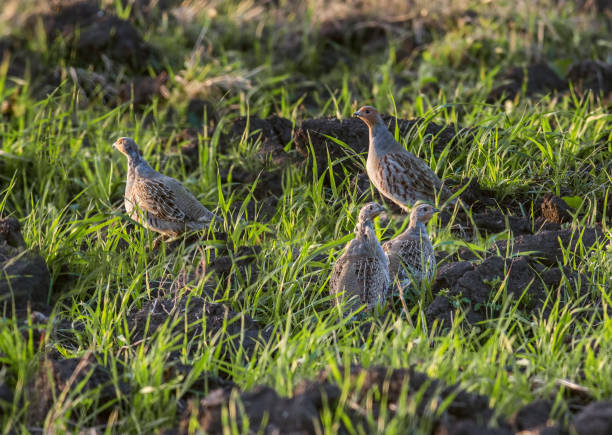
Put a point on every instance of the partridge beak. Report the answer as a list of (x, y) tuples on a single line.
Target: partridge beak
[(436, 210), (114, 144), (357, 113)]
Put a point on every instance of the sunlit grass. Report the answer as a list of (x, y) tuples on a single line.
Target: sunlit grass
[(62, 179)]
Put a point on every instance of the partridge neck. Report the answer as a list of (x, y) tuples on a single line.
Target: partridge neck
[(417, 225), (381, 139), (135, 159)]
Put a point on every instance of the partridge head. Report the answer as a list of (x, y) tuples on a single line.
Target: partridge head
[(370, 211), (127, 147), (422, 213), (369, 115)]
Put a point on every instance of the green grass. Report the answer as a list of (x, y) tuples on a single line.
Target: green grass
[(65, 183)]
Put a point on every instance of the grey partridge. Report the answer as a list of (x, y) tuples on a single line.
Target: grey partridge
[(362, 272), (397, 173), (157, 201), (411, 254)]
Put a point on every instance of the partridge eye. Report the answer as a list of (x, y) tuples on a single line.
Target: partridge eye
[(367, 111)]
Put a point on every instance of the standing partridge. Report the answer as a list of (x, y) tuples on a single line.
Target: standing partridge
[(397, 173), (362, 272), (157, 201), (411, 254)]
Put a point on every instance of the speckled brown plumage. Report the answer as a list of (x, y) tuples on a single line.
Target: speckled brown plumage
[(411, 254), (362, 271), (397, 173), (157, 201)]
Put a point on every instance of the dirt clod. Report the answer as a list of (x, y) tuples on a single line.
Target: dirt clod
[(93, 32), (269, 181), (25, 277), (495, 221), (540, 79), (475, 196), (594, 419), (141, 90), (469, 428), (547, 245), (296, 415), (474, 286), (555, 210), (392, 383), (448, 274), (592, 75), (274, 133), (301, 413), (204, 383), (204, 320), (532, 416), (241, 260), (67, 376)]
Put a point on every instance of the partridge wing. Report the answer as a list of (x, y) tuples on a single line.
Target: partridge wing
[(157, 198), (411, 174), (188, 203)]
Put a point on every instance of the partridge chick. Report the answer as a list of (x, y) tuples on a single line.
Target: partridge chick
[(397, 173), (411, 254), (362, 272), (159, 202)]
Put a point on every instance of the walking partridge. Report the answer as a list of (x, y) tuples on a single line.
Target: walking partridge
[(411, 254), (362, 272), (157, 201), (397, 173)]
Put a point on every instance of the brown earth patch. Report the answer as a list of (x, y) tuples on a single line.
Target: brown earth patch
[(188, 141), (25, 278), (274, 133), (592, 75), (204, 320), (474, 286), (269, 181), (474, 196), (494, 221), (301, 413), (92, 31), (339, 38), (241, 262), (547, 245), (56, 379), (555, 210), (594, 419), (140, 91), (533, 416), (538, 78), (296, 415)]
